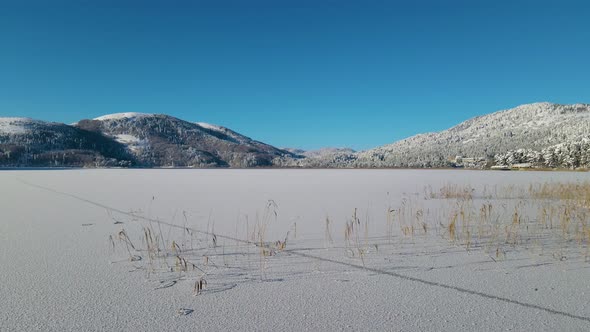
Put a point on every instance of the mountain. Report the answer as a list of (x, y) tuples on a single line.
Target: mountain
[(158, 140), (320, 153), (321, 158), (295, 151), (532, 126), (28, 142), (540, 134), (523, 134)]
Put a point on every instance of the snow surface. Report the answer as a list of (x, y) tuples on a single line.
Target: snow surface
[(118, 116), (238, 137), (60, 272), (134, 143), (126, 139)]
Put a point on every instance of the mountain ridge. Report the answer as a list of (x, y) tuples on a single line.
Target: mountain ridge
[(541, 134), (530, 126), (167, 141), (533, 127)]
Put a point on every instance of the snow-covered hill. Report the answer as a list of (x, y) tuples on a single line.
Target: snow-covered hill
[(543, 134), (165, 141), (476, 141), (119, 116), (28, 142), (532, 126), (321, 158), (125, 139), (16, 125)]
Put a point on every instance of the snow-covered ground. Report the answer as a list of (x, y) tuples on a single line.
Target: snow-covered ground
[(74, 253)]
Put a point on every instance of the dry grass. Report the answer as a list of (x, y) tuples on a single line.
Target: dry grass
[(328, 240), (548, 219), (450, 191), (499, 219), (187, 253)]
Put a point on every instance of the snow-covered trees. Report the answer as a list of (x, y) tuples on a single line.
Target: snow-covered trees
[(574, 154), (523, 131), (541, 134)]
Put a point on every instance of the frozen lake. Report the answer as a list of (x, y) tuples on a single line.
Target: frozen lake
[(293, 250)]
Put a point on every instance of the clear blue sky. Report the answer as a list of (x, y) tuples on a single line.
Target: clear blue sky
[(298, 73)]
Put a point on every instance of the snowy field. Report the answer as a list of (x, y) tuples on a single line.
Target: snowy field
[(294, 250)]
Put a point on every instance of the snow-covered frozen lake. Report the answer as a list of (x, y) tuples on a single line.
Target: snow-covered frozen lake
[(292, 250)]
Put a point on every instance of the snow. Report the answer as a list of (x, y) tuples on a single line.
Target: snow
[(209, 126), (133, 143), (223, 130), (119, 116), (532, 126), (14, 125), (126, 139), (60, 271)]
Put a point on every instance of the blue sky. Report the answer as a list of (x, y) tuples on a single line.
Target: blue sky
[(300, 73)]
